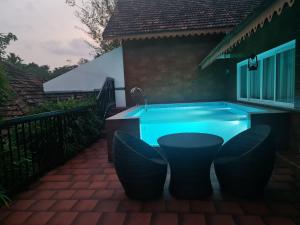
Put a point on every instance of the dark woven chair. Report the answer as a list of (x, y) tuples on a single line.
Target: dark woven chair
[(141, 169), (244, 164)]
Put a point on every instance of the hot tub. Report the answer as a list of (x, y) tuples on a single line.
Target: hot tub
[(150, 122), (220, 118)]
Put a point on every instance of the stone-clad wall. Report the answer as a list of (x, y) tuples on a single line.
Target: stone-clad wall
[(167, 70)]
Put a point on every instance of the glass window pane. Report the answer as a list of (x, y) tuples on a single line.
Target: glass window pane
[(268, 78), (243, 81), (254, 82), (285, 76)]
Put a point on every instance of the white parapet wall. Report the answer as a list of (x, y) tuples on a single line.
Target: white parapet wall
[(91, 76)]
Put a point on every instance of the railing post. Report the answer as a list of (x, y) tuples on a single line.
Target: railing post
[(61, 138)]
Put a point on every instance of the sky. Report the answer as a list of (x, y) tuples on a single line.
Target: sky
[(46, 31)]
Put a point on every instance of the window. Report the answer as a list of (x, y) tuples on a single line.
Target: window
[(268, 78), (254, 84), (285, 76), (273, 82), (243, 84)]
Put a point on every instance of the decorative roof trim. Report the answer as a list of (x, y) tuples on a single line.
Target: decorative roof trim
[(222, 30), (244, 30)]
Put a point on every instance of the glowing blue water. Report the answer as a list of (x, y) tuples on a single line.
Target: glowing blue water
[(220, 118)]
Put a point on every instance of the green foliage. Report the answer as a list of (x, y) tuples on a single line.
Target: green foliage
[(83, 130), (4, 91), (5, 39), (62, 105), (82, 61), (94, 15), (14, 59), (4, 199), (35, 69), (51, 138), (61, 70), (30, 68)]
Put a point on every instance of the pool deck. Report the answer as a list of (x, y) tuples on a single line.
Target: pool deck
[(86, 190)]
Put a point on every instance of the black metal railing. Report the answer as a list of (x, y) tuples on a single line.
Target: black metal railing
[(33, 145), (106, 95)]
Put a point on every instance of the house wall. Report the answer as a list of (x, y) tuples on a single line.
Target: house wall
[(167, 70), (280, 30), (295, 117)]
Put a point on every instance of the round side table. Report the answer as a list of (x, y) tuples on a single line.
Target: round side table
[(190, 156)]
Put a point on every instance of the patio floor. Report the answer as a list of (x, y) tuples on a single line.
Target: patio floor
[(86, 191)]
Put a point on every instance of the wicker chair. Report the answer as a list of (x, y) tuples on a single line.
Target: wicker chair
[(141, 169), (245, 163)]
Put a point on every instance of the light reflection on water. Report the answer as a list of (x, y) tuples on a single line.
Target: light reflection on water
[(223, 122)]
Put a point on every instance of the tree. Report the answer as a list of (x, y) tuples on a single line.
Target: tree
[(5, 39), (82, 61), (3, 85), (61, 70), (94, 15), (35, 69), (14, 59)]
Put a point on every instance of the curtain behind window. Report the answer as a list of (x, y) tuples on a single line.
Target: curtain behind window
[(243, 81), (285, 76), (268, 78)]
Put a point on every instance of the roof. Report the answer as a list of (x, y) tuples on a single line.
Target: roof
[(247, 27), (91, 75), (143, 18), (27, 92)]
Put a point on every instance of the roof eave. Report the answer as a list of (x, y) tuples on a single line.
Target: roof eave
[(168, 34), (245, 29)]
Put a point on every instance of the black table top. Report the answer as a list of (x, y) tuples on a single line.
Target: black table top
[(190, 140)]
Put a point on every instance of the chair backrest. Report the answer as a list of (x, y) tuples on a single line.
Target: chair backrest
[(136, 146), (246, 141)]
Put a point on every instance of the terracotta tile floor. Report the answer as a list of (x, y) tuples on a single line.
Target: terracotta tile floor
[(86, 191)]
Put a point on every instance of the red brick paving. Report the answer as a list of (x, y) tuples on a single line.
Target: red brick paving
[(250, 220), (86, 191), (221, 220), (17, 218), (229, 208), (113, 218), (88, 218), (198, 206), (279, 221), (108, 206), (39, 218), (22, 204), (256, 208), (85, 205), (139, 219), (63, 205), (178, 206), (193, 219), (165, 218), (63, 194), (63, 218)]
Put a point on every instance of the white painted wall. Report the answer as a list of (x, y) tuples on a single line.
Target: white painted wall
[(91, 76)]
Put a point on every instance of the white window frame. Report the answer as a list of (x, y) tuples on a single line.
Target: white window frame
[(270, 53)]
